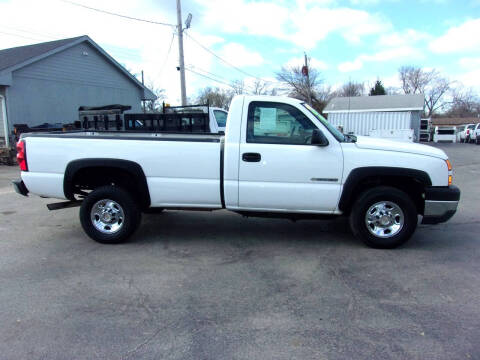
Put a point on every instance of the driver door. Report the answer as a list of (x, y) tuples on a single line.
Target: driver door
[(280, 170)]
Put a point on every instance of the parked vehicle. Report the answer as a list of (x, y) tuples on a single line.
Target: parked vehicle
[(475, 134), (185, 119), (464, 132), (279, 158), (445, 134), (220, 117), (468, 133), (217, 117)]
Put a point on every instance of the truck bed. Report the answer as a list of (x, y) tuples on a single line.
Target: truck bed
[(129, 135), (181, 169)]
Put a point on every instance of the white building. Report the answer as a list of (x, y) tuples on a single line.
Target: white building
[(363, 114)]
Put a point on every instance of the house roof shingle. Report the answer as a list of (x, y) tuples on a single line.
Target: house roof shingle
[(17, 55), (376, 103)]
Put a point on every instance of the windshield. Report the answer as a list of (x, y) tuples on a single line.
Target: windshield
[(337, 134), (221, 117)]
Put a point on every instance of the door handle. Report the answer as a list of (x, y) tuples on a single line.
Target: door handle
[(251, 157)]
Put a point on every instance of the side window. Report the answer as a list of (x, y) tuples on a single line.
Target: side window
[(221, 117), (277, 123)]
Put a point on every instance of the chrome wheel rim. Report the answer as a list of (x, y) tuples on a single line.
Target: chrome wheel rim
[(384, 219), (107, 216)]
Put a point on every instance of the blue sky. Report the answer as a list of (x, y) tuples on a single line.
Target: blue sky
[(346, 39)]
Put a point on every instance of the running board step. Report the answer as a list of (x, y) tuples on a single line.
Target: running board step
[(64, 205)]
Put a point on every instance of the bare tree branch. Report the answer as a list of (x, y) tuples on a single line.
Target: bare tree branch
[(416, 80), (351, 88), (296, 85), (465, 103)]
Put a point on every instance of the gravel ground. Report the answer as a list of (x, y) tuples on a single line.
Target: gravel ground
[(194, 285)]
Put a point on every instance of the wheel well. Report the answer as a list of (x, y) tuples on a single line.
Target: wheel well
[(83, 177), (410, 185)]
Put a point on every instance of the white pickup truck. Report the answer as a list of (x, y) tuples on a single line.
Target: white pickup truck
[(278, 158)]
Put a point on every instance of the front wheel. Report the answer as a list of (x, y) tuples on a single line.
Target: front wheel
[(383, 217), (109, 215)]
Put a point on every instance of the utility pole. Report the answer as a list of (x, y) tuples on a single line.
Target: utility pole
[(305, 72), (180, 53)]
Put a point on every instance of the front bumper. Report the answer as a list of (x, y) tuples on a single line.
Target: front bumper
[(20, 187), (440, 204)]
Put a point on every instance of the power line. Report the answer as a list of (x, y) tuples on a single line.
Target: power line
[(29, 32), (208, 77), (25, 37), (215, 77), (171, 25), (168, 54), (223, 60), (208, 72), (115, 14)]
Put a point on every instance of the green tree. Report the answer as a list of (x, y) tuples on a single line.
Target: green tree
[(378, 89)]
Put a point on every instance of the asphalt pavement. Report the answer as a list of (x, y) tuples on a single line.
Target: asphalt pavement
[(201, 285)]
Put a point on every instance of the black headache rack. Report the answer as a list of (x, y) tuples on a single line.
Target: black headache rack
[(174, 119), (184, 119)]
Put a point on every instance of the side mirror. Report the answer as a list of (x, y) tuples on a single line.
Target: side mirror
[(318, 138)]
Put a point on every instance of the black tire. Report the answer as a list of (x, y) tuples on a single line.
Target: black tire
[(379, 194), (130, 219), (477, 141)]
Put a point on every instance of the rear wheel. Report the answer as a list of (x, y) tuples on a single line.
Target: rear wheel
[(109, 215), (383, 217)]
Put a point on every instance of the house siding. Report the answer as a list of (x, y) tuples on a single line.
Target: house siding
[(3, 109), (52, 89)]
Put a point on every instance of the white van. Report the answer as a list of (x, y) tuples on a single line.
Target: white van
[(445, 134)]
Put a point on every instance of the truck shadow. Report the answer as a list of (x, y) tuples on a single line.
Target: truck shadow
[(225, 227)]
